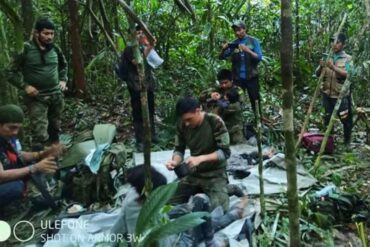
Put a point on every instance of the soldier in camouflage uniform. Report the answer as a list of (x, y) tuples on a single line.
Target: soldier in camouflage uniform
[(41, 71), (225, 101), (206, 136)]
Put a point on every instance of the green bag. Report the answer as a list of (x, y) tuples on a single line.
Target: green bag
[(82, 186), (338, 206)]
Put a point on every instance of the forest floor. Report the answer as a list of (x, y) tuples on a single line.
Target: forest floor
[(347, 168)]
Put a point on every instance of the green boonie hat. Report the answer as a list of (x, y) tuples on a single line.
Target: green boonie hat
[(238, 24), (11, 114)]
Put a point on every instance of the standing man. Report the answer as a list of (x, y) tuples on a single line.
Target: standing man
[(15, 165), (41, 71), (134, 87), (245, 53), (336, 71), (207, 138)]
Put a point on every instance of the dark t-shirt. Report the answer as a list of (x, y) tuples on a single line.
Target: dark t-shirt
[(133, 75)]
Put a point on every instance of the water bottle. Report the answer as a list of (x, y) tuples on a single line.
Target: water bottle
[(18, 146)]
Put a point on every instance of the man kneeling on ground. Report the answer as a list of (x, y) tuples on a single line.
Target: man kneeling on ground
[(207, 138)]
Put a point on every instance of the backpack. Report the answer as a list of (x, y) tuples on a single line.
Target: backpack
[(85, 187), (339, 206), (121, 67), (312, 142)]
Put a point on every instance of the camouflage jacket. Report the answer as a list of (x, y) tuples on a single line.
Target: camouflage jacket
[(211, 136)]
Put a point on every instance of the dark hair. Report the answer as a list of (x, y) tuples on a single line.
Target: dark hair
[(340, 38), (186, 105), (138, 27), (224, 74), (136, 177), (44, 23), (232, 95)]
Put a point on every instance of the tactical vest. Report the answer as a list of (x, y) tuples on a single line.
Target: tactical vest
[(332, 82)]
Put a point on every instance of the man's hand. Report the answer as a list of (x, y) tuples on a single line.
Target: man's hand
[(63, 85), (47, 165), (194, 161), (245, 48), (225, 46), (215, 96), (330, 64), (55, 150), (31, 91), (171, 164), (322, 63)]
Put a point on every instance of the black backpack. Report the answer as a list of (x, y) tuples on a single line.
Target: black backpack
[(121, 68)]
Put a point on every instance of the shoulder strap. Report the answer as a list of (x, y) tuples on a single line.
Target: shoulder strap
[(61, 60)]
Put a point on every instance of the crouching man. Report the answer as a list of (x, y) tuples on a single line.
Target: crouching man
[(207, 138), (17, 166)]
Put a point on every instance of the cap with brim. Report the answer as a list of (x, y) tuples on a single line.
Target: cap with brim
[(238, 24)]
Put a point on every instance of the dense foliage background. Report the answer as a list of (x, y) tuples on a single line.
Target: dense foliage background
[(189, 36)]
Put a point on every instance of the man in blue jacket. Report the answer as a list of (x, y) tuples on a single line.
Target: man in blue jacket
[(245, 53)]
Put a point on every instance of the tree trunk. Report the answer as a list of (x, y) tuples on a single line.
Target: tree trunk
[(139, 57), (8, 93), (28, 18), (77, 58), (297, 30), (290, 159), (260, 163)]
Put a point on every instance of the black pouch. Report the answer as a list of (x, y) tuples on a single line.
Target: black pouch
[(182, 170)]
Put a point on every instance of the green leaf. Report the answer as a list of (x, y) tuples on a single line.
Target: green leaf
[(153, 204), (176, 226), (102, 55)]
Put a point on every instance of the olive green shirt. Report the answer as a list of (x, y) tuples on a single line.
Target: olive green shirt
[(211, 136), (40, 69)]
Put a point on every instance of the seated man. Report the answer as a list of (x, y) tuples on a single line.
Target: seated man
[(13, 162), (206, 136), (225, 101)]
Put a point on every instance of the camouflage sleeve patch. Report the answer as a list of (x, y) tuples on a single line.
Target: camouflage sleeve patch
[(221, 135), (180, 144)]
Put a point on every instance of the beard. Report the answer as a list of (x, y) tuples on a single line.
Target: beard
[(47, 44)]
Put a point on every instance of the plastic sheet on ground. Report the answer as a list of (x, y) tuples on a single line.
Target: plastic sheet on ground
[(275, 179), (98, 225)]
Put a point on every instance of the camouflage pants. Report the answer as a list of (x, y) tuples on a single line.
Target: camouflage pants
[(236, 135), (45, 118), (214, 187)]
